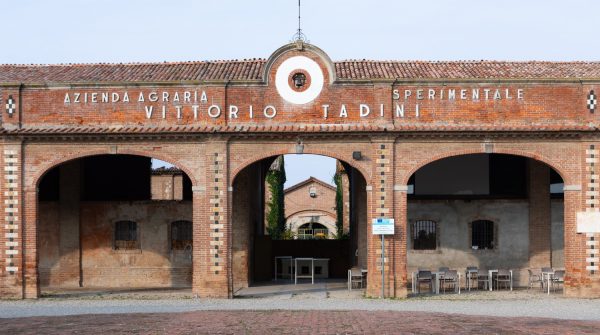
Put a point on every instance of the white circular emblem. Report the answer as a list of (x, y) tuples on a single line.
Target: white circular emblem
[(299, 64)]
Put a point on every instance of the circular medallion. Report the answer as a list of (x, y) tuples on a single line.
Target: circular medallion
[(299, 80)]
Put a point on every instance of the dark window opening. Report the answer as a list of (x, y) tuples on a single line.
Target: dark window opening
[(482, 235), (126, 236), (424, 235), (181, 235)]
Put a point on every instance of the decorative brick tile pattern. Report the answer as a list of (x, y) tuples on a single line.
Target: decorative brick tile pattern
[(592, 201), (11, 209)]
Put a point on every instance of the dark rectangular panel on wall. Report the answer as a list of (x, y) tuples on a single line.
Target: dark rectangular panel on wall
[(508, 175), (116, 177)]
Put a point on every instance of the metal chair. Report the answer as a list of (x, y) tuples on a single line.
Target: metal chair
[(483, 276), (503, 276), (443, 269), (471, 276), (557, 279), (450, 277), (535, 278), (424, 277), (355, 278)]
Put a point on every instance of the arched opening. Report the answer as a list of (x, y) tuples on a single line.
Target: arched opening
[(284, 208), (490, 211), (114, 222), (313, 231)]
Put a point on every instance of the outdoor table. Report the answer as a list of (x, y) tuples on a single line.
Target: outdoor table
[(282, 258), (491, 282), (312, 268), (548, 276)]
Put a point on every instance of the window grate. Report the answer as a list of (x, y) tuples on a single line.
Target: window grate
[(482, 234), (424, 235), (126, 236), (181, 235)]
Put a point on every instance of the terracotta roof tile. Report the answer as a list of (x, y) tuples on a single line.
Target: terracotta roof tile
[(253, 69)]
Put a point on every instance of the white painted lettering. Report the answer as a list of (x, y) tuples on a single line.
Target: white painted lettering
[(325, 111), (364, 110), (400, 110), (395, 94), (67, 99), (431, 94), (272, 113), (149, 110), (233, 111), (343, 111), (203, 97), (115, 97), (214, 111)]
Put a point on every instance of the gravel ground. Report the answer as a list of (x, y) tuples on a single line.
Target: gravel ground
[(482, 304)]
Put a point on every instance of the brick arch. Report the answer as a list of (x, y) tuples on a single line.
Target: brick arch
[(332, 214), (286, 151), (522, 153), (49, 165)]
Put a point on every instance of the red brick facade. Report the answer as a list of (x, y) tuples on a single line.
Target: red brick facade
[(536, 110)]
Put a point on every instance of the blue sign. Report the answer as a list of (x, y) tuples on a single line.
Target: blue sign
[(383, 226)]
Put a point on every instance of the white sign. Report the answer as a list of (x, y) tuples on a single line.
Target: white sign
[(588, 222), (383, 226)]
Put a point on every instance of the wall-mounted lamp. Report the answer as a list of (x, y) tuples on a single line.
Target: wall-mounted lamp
[(312, 191), (357, 155), (299, 146)]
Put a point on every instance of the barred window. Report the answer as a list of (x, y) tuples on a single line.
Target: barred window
[(126, 235), (181, 235), (482, 234), (424, 235)]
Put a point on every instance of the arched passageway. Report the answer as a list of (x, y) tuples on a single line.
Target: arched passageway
[(491, 211), (114, 221), (341, 235)]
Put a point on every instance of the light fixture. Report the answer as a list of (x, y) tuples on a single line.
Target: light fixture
[(299, 146), (299, 79), (357, 155)]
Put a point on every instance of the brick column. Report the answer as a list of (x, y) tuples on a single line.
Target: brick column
[(540, 248), (12, 247), (581, 249), (382, 205), (212, 230)]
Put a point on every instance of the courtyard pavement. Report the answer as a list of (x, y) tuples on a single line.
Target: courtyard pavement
[(324, 308)]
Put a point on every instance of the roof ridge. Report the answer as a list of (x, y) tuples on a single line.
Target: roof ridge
[(219, 61)]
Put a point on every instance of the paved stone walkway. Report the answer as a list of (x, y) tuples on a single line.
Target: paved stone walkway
[(293, 322)]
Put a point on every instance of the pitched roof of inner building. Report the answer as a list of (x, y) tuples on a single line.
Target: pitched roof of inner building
[(306, 182), (253, 69)]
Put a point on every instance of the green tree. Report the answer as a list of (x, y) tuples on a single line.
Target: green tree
[(339, 206), (276, 213)]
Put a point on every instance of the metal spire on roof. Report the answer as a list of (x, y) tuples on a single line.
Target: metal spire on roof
[(299, 36)]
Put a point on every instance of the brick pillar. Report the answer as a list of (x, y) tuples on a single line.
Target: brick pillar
[(581, 249), (69, 234), (12, 247), (540, 248), (212, 230), (381, 204)]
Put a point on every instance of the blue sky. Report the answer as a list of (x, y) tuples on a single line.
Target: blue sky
[(84, 31)]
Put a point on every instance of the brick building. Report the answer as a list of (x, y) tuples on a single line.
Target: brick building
[(492, 162), (310, 209)]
